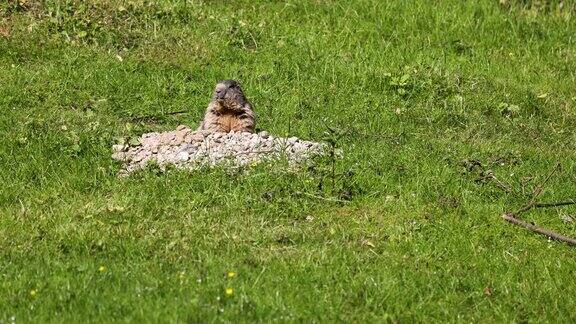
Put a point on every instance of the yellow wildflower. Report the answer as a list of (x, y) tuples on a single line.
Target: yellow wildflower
[(102, 268), (229, 292), (33, 292), (231, 274)]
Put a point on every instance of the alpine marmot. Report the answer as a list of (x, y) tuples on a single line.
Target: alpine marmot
[(229, 110)]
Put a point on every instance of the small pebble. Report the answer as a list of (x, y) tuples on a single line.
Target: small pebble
[(183, 156)]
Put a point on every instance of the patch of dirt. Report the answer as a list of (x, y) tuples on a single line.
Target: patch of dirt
[(188, 149)]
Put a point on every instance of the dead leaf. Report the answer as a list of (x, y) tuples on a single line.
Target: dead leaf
[(488, 291), (568, 218), (5, 32)]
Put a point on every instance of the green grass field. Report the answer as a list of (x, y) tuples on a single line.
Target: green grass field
[(398, 230)]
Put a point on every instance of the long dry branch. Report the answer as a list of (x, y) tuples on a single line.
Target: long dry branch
[(555, 204), (512, 217), (553, 235)]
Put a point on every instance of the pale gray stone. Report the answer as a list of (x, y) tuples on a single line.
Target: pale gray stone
[(183, 156)]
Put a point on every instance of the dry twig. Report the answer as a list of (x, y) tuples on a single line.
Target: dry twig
[(157, 116), (555, 204), (336, 200), (540, 230), (537, 192), (500, 184), (513, 217)]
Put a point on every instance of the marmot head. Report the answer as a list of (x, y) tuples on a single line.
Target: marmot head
[(228, 92)]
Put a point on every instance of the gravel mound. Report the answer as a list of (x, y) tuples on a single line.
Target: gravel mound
[(188, 149)]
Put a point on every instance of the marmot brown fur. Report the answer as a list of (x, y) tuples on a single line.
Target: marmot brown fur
[(229, 110)]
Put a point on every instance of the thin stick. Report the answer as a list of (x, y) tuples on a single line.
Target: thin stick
[(156, 116), (555, 204), (322, 198), (553, 235), (499, 183), (511, 217), (537, 192)]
